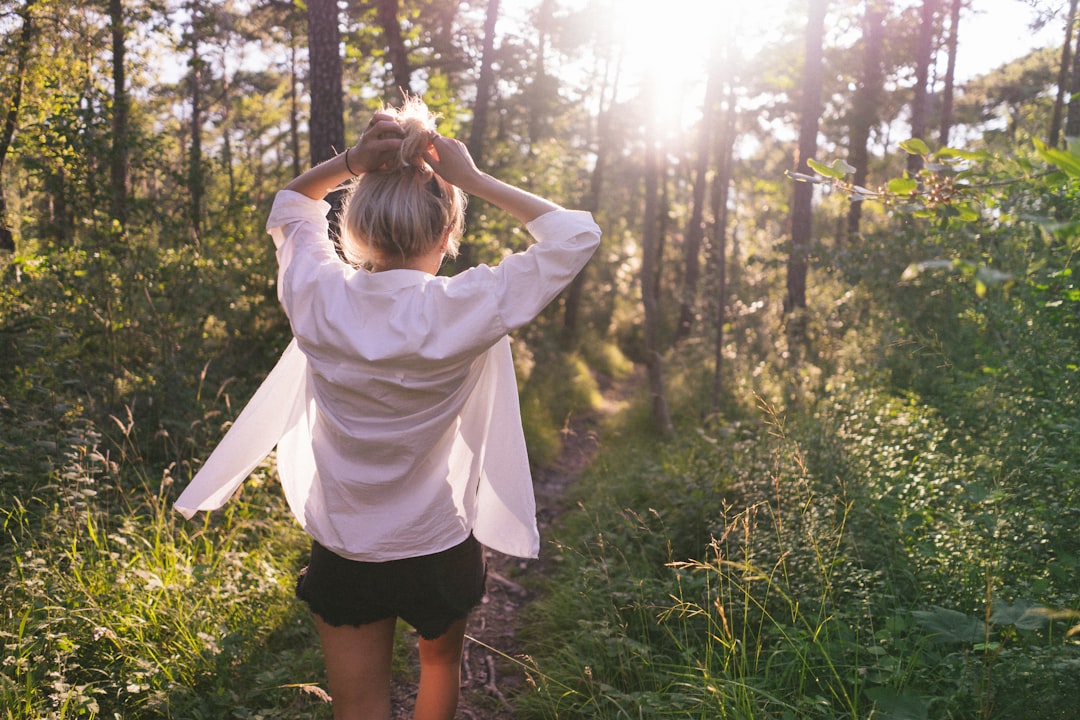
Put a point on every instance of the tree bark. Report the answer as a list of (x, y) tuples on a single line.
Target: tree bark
[(947, 92), (920, 102), (542, 93), (11, 118), (803, 193), (484, 85), (695, 229), (326, 134), (387, 13), (864, 111), (1064, 71), (721, 187), (1072, 117), (649, 297), (195, 169), (119, 162), (294, 107), (327, 122), (591, 202)]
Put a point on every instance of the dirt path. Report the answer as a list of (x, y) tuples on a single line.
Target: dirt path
[(488, 680)]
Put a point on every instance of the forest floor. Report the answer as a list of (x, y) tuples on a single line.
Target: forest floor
[(488, 679)]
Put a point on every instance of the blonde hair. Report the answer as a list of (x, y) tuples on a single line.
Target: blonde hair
[(404, 211)]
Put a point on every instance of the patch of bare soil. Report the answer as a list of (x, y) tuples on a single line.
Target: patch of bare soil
[(488, 679)]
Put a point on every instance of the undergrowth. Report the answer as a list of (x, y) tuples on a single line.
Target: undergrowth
[(832, 545), (117, 607)]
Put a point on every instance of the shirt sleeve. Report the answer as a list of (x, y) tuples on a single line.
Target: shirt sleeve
[(299, 228), (337, 311), (529, 281), (494, 300)]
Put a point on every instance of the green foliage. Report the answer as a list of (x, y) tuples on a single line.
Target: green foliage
[(557, 388), (878, 523), (898, 540), (862, 582), (121, 607), (604, 358)]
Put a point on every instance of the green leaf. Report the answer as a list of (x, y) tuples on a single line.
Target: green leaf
[(914, 270), (825, 170), (1024, 614), (951, 625), (841, 165), (1064, 160), (903, 185), (972, 155), (966, 214), (1061, 230), (892, 705), (915, 146)]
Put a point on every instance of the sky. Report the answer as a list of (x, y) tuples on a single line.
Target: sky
[(998, 31), (665, 35), (992, 33)]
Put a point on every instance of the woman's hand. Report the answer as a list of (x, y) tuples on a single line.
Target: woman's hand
[(378, 147), (451, 160)]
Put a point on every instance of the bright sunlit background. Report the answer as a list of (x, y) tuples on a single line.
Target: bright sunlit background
[(670, 39)]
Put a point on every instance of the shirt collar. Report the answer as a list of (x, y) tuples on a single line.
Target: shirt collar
[(395, 279)]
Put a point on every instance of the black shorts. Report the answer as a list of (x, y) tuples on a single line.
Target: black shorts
[(429, 592)]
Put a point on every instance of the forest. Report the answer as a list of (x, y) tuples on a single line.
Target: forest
[(835, 300)]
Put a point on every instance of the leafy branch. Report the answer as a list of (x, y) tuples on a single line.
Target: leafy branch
[(946, 183)]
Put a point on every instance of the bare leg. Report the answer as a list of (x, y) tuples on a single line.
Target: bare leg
[(358, 668), (440, 675)]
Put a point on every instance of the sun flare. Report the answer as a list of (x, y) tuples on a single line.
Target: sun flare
[(666, 47)]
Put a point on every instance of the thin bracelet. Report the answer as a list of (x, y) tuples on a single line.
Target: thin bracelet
[(347, 167)]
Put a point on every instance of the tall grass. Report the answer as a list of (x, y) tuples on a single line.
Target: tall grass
[(114, 606), (860, 554), (650, 633)]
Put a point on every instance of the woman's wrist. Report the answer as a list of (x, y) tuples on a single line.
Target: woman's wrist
[(349, 166), (523, 205)]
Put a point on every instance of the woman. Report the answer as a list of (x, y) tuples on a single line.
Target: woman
[(395, 411)]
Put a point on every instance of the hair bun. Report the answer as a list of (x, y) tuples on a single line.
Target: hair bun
[(419, 125)]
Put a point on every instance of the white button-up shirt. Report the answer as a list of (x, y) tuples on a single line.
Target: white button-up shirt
[(395, 409)]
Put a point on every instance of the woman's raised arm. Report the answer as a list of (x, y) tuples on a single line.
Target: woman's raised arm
[(379, 144), (451, 160)]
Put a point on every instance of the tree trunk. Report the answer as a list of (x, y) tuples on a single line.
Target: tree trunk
[(327, 122), (395, 43), (1072, 117), (11, 118), (591, 203), (950, 74), (478, 132), (195, 170), (326, 132), (920, 102), (695, 229), (119, 162), (542, 93), (649, 296), (864, 111), (663, 215), (484, 85), (1064, 71), (226, 135), (294, 108), (803, 193), (725, 148)]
